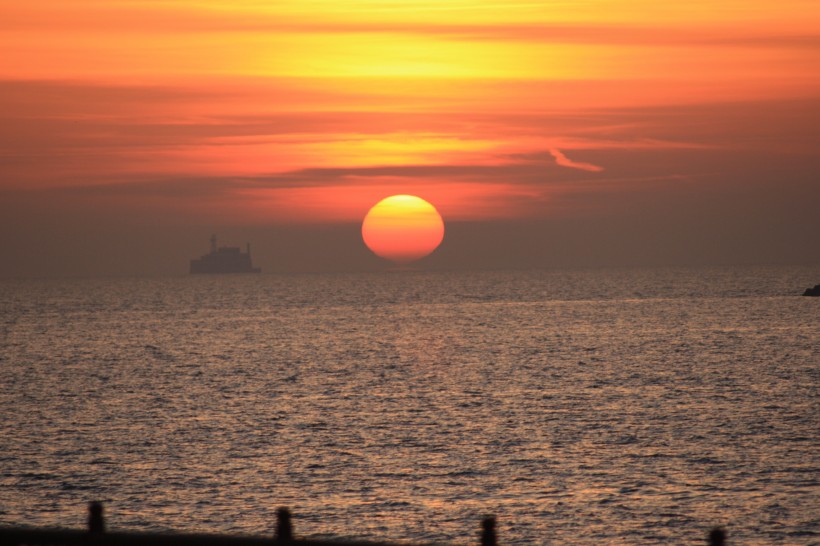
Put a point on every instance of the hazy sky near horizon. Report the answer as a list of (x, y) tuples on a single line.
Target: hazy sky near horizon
[(547, 133)]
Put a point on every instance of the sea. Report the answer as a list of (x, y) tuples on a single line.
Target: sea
[(596, 406)]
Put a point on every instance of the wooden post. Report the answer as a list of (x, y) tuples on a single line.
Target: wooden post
[(284, 527), (717, 537), (488, 537), (96, 522)]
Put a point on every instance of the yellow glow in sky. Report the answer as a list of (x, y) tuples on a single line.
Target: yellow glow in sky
[(303, 92)]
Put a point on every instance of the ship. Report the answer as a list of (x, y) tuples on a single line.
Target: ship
[(225, 259)]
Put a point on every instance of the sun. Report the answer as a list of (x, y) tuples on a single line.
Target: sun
[(402, 228)]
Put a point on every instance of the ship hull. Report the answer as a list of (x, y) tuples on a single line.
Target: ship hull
[(199, 268)]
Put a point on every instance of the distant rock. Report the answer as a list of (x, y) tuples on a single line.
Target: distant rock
[(813, 291)]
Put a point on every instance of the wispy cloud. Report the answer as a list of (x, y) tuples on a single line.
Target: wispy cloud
[(245, 17), (564, 161)]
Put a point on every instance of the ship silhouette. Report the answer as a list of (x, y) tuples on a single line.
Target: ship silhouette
[(225, 259)]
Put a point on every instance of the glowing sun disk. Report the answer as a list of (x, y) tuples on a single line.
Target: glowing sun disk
[(402, 228)]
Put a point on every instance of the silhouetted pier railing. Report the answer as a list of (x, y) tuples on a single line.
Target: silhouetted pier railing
[(96, 535)]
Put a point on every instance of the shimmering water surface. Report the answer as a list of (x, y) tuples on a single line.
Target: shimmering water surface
[(586, 407)]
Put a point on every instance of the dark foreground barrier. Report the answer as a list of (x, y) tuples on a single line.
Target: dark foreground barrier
[(96, 535)]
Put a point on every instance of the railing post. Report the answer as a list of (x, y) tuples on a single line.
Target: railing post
[(284, 527), (717, 537), (488, 537), (96, 521)]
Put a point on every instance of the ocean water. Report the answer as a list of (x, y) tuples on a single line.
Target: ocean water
[(584, 407)]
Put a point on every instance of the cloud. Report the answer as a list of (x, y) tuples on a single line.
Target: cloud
[(564, 161), (194, 18)]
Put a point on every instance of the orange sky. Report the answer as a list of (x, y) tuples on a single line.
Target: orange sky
[(309, 111)]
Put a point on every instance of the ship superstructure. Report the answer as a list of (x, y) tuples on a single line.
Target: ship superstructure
[(226, 259)]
